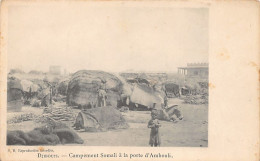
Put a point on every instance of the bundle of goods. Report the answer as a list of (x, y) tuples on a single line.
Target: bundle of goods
[(100, 119), (21, 118), (49, 134), (58, 113), (196, 99)]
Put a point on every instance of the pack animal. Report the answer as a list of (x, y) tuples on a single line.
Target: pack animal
[(170, 114), (174, 113)]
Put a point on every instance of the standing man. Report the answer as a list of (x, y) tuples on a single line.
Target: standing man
[(102, 98), (165, 100), (102, 94)]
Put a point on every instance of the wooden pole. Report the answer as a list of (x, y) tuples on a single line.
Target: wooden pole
[(50, 95)]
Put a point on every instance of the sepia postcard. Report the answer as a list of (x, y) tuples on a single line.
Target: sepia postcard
[(129, 80)]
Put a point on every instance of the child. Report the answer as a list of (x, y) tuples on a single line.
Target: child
[(154, 134), (165, 102)]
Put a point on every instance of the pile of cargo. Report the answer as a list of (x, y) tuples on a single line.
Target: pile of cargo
[(196, 99), (22, 118), (100, 119), (58, 114)]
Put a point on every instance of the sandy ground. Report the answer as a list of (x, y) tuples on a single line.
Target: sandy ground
[(192, 131)]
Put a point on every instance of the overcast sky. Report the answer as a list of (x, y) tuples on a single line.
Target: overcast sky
[(110, 39)]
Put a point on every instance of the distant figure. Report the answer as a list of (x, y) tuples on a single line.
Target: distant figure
[(102, 96), (30, 93), (163, 88), (165, 101), (51, 93), (154, 124)]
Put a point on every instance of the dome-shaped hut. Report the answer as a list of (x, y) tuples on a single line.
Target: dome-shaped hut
[(14, 94), (84, 86)]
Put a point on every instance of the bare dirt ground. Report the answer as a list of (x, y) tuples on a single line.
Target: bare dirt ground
[(192, 131)]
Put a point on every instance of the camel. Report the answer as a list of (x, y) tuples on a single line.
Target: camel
[(169, 114)]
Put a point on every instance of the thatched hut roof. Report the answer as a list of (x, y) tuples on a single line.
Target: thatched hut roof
[(101, 119), (14, 83), (84, 84), (14, 94), (146, 97), (63, 87), (97, 77), (29, 85)]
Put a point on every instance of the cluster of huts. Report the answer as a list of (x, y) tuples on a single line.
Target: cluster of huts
[(29, 92), (88, 89), (101, 96)]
